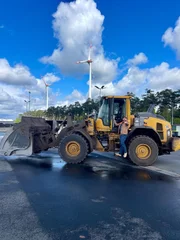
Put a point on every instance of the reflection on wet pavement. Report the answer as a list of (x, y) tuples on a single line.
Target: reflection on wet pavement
[(43, 160), (104, 168)]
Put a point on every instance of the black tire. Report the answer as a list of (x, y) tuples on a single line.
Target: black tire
[(73, 149), (143, 150)]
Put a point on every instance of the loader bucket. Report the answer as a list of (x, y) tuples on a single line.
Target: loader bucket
[(31, 135)]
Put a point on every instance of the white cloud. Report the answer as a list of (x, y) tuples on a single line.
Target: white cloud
[(136, 80), (138, 59), (109, 89), (48, 78), (75, 95), (76, 25), (4, 96), (10, 105), (171, 37), (16, 75), (12, 101), (104, 70), (15, 83), (162, 76), (133, 81)]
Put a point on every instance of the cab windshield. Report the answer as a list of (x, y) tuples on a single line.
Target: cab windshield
[(119, 110), (104, 112)]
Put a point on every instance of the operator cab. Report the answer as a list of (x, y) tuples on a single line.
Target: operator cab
[(112, 108), (119, 111)]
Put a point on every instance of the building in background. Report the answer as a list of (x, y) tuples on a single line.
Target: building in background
[(6, 123), (176, 130)]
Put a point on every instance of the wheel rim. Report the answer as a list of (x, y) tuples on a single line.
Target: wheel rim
[(73, 148), (143, 151)]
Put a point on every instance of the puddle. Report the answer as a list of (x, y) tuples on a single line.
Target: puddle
[(103, 167), (129, 174), (106, 169)]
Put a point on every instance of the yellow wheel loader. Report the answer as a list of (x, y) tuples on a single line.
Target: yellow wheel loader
[(149, 134)]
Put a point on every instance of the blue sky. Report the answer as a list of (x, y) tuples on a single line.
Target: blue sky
[(27, 34)]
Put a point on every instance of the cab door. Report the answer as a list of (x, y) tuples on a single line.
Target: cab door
[(105, 116), (119, 109)]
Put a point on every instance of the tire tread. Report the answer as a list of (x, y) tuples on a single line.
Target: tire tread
[(70, 160), (140, 162)]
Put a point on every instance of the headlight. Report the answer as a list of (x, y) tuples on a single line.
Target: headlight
[(169, 133), (136, 122)]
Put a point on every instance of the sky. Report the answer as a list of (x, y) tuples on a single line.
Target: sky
[(135, 45)]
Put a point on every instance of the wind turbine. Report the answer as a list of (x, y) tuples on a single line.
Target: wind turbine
[(89, 61), (47, 93)]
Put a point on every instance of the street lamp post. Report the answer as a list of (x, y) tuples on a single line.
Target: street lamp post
[(172, 113), (29, 101), (26, 104), (100, 89), (89, 104)]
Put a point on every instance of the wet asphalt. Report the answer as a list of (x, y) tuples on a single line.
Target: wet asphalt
[(43, 198)]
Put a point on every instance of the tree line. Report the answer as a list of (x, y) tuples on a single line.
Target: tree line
[(168, 102)]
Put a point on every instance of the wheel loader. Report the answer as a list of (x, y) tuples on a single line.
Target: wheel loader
[(149, 136)]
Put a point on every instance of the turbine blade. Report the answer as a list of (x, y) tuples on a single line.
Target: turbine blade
[(84, 61), (44, 82), (89, 57)]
